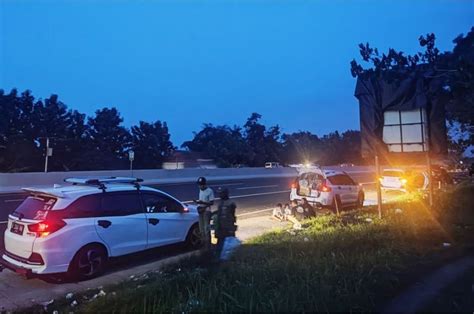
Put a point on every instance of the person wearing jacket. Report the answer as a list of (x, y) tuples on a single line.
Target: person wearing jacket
[(224, 219)]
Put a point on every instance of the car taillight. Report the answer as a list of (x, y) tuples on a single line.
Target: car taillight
[(325, 188), (45, 228)]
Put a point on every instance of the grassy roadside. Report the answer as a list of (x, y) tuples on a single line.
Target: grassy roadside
[(355, 262)]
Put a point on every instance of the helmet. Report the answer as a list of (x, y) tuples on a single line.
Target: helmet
[(201, 181)]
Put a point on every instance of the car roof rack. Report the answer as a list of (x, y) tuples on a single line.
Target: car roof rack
[(101, 181)]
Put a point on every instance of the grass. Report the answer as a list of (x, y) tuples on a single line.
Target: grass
[(355, 262)]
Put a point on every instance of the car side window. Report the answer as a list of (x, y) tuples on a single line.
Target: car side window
[(347, 180), (85, 206), (335, 180), (158, 203), (340, 179), (121, 204)]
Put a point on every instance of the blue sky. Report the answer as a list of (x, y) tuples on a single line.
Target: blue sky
[(191, 62)]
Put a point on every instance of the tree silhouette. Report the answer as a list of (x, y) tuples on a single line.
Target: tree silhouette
[(151, 144)]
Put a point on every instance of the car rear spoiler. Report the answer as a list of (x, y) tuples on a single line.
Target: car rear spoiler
[(36, 191)]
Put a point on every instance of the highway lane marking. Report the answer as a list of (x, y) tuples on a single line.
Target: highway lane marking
[(11, 201), (227, 184), (3, 222), (158, 185), (257, 187), (248, 195), (255, 212)]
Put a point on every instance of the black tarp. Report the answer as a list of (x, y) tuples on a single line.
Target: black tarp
[(377, 96)]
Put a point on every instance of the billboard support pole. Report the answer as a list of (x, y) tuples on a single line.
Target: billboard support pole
[(430, 179), (378, 186)]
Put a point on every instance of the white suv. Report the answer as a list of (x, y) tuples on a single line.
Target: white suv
[(327, 189), (76, 228)]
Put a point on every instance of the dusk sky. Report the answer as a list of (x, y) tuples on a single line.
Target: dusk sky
[(191, 62)]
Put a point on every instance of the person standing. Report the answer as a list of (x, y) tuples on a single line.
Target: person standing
[(225, 219), (205, 202)]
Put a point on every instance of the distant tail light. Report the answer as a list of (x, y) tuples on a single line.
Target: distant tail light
[(45, 228), (293, 185)]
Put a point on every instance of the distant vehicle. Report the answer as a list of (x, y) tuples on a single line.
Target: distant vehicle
[(404, 180), (327, 189), (394, 179), (269, 165), (441, 176), (346, 165), (74, 229)]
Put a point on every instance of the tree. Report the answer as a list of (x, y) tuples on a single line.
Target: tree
[(108, 141), (301, 147), (18, 149), (264, 145), (151, 143), (222, 143), (454, 70)]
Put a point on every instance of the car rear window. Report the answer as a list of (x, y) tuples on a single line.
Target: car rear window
[(391, 173), (34, 207)]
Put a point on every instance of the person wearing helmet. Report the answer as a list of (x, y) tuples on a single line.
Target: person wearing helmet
[(205, 201), (224, 219)]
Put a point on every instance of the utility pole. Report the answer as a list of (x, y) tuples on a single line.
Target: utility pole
[(378, 186), (131, 157), (48, 152)]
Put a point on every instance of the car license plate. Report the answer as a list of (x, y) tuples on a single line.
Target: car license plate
[(17, 228)]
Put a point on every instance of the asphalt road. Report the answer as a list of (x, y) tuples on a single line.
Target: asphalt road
[(252, 196)]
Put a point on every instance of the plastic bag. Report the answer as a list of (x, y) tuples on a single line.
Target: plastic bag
[(230, 244)]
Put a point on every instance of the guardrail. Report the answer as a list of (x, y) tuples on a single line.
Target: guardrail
[(10, 182)]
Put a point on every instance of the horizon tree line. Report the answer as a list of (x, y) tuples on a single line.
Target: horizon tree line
[(101, 142)]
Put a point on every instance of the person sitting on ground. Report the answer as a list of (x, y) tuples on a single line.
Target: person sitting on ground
[(292, 214), (287, 211), (309, 211), (278, 212), (297, 210)]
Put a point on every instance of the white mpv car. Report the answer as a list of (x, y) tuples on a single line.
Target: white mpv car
[(394, 179), (327, 188), (76, 228)]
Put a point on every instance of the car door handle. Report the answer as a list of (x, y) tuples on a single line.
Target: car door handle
[(104, 223), (153, 221)]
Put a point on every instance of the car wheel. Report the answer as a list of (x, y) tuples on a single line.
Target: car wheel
[(360, 200), (193, 239), (89, 262)]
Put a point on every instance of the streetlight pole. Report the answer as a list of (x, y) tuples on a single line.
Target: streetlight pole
[(46, 155)]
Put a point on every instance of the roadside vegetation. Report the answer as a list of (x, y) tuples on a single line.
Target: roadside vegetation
[(354, 262)]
